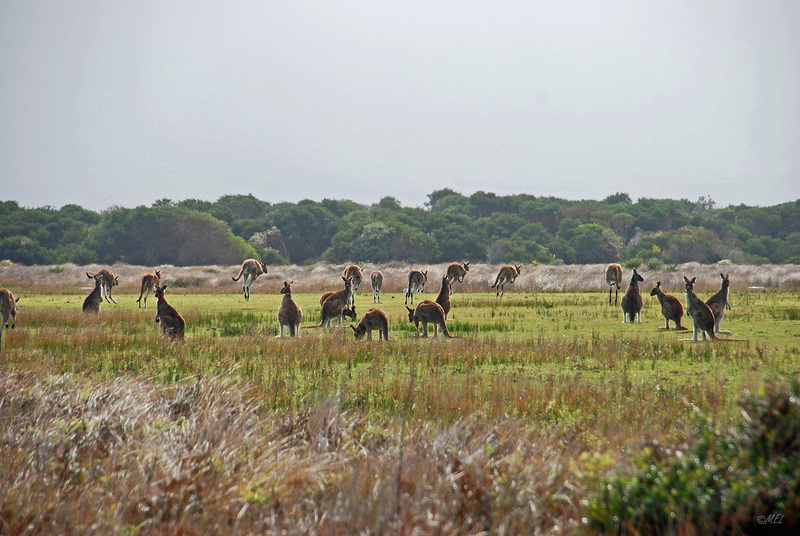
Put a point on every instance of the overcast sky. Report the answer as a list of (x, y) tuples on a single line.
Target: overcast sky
[(126, 102)]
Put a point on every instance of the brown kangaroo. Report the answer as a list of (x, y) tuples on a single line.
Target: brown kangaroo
[(632, 300), (426, 312), (332, 309), (108, 281), (701, 314), (613, 277), (8, 308), (354, 273), (507, 274), (719, 302), (92, 302), (671, 307), (345, 295), (251, 269), (456, 271), (149, 282), (416, 282), (372, 319), (443, 299), (290, 314), (173, 325), (377, 283)]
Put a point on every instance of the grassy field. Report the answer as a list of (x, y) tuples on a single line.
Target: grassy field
[(107, 428)]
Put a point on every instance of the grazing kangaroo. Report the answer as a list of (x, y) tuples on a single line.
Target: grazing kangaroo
[(149, 282), (251, 269), (8, 308), (354, 273), (671, 307), (377, 283), (632, 300), (701, 314), (416, 281), (92, 302), (426, 312), (108, 280), (172, 323), (456, 271), (613, 277), (719, 302), (334, 308), (443, 299), (507, 274), (290, 314), (372, 319)]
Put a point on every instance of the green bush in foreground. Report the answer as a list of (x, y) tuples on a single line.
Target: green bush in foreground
[(741, 481)]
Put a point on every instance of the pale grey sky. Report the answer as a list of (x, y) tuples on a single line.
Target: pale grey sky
[(122, 103)]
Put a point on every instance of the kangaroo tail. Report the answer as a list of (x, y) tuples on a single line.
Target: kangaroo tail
[(241, 271), (497, 279)]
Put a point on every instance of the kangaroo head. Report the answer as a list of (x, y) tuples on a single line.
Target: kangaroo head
[(158, 273), (160, 291), (287, 287), (466, 266), (116, 280), (263, 266), (348, 282), (410, 313), (726, 281), (689, 284), (636, 277), (656, 289), (518, 268)]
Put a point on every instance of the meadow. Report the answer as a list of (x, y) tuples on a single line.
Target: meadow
[(108, 428)]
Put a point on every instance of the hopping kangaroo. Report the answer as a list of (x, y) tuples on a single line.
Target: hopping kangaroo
[(701, 314), (456, 271), (149, 282), (416, 281), (172, 323), (719, 302), (377, 283), (290, 314), (632, 300), (8, 308), (354, 273), (92, 302), (108, 280), (443, 299), (613, 277), (428, 312), (372, 319), (507, 274), (251, 269), (671, 307)]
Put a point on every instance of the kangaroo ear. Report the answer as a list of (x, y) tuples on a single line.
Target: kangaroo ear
[(686, 279), (693, 280), (410, 310), (353, 328)]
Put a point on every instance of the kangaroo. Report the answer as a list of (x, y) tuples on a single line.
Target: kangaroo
[(701, 314), (149, 282), (251, 269), (372, 319), (632, 300), (508, 274), (443, 299), (108, 280), (334, 309), (92, 302), (416, 281), (325, 296), (719, 302), (426, 312), (456, 271), (354, 273), (345, 295), (671, 307), (613, 277), (377, 284), (8, 308), (290, 314), (172, 323)]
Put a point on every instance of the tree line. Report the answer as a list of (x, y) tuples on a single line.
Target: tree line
[(482, 227)]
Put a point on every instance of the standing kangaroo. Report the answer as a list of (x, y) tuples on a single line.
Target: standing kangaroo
[(334, 308), (354, 273), (507, 274), (719, 302), (290, 314), (92, 302), (149, 282), (671, 307), (701, 314), (443, 299), (377, 283), (173, 325), (251, 269), (416, 281), (456, 271), (108, 281), (427, 312), (8, 308), (632, 300), (613, 277), (372, 319), (345, 295)]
